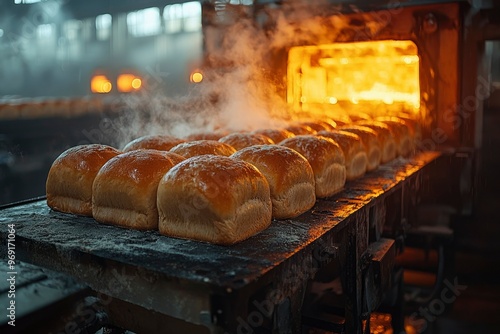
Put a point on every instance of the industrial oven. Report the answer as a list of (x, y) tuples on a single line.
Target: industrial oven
[(423, 60)]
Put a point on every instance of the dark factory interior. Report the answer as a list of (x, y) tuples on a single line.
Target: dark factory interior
[(409, 246)]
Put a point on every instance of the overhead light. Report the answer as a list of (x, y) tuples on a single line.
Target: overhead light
[(100, 84), (196, 77), (127, 83)]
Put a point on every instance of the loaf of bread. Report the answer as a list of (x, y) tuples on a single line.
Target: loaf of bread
[(215, 199), (300, 129), (359, 116), (36, 110), (370, 142), (355, 155), (125, 189), (70, 178), (326, 159), (339, 120), (203, 147), (330, 124), (318, 125), (385, 137), (289, 174), (153, 142), (276, 135), (401, 132), (242, 140), (78, 107), (413, 126), (206, 136), (10, 111)]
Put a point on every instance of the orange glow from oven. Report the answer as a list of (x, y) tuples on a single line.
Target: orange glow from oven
[(100, 84), (128, 83), (375, 77)]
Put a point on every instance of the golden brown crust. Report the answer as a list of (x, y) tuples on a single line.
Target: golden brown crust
[(386, 138), (153, 142), (414, 128), (339, 120), (125, 189), (326, 159), (330, 124), (70, 178), (214, 199), (203, 147), (371, 143), (401, 132), (276, 135), (349, 142), (316, 125), (354, 151), (206, 136), (289, 174), (300, 129), (359, 116), (242, 140)]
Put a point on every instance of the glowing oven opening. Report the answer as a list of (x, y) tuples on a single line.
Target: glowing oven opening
[(376, 78)]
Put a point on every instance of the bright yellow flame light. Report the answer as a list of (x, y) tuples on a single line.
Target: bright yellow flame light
[(410, 59), (196, 77), (379, 76), (100, 84), (128, 83)]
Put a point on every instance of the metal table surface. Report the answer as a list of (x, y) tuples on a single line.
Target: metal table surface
[(195, 281)]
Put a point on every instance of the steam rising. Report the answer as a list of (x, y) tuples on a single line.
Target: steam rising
[(236, 97), (241, 95)]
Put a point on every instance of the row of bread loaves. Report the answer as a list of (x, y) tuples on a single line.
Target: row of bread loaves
[(206, 197), (224, 190)]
